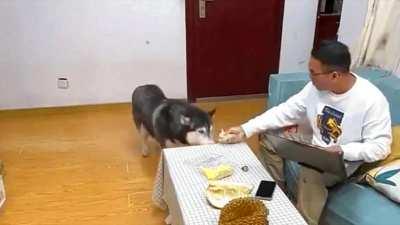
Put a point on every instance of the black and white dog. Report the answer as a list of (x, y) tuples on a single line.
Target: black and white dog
[(170, 122)]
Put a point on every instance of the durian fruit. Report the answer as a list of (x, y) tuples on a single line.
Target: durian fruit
[(219, 193), (219, 172), (244, 211)]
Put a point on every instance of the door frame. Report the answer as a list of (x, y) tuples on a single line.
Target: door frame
[(190, 40), (190, 17), (317, 23)]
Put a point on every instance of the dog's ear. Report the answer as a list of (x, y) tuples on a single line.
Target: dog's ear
[(185, 120), (212, 112)]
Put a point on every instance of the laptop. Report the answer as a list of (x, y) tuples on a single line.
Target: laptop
[(309, 155)]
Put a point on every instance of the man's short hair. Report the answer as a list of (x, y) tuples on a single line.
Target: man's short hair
[(334, 55)]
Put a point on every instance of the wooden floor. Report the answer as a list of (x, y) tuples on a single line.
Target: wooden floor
[(82, 165)]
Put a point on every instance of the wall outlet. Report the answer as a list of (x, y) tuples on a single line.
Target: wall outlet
[(62, 83)]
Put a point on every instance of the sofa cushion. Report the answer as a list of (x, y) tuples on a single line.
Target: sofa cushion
[(395, 154), (355, 204), (386, 179)]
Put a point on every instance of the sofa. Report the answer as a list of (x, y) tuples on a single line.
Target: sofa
[(349, 203)]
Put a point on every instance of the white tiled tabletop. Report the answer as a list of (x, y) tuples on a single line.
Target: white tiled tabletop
[(184, 185)]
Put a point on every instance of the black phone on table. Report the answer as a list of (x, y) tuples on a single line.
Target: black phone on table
[(265, 190)]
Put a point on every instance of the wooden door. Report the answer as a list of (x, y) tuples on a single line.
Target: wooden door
[(233, 48)]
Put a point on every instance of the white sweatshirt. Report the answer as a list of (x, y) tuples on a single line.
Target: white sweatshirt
[(358, 120)]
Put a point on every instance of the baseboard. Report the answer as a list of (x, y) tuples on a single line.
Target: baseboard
[(231, 98)]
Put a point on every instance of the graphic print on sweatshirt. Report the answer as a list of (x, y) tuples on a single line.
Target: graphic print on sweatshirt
[(329, 124)]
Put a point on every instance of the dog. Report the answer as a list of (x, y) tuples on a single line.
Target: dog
[(170, 122)]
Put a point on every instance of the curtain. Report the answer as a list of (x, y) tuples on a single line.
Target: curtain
[(379, 42)]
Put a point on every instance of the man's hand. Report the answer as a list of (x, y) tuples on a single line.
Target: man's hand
[(233, 135), (335, 149)]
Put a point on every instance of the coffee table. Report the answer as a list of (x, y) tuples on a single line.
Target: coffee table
[(183, 186)]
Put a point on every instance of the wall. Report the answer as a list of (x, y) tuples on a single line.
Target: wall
[(108, 47), (297, 34), (104, 47), (351, 24)]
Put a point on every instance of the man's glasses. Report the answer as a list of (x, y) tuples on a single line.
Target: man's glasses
[(322, 73)]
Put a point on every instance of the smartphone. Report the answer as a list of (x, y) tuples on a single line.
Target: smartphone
[(265, 190)]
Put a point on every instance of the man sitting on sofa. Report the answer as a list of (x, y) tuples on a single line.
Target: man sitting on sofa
[(348, 115)]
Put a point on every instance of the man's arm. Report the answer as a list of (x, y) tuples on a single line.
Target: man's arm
[(377, 136), (285, 114)]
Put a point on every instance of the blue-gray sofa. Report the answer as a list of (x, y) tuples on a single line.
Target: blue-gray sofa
[(349, 203)]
